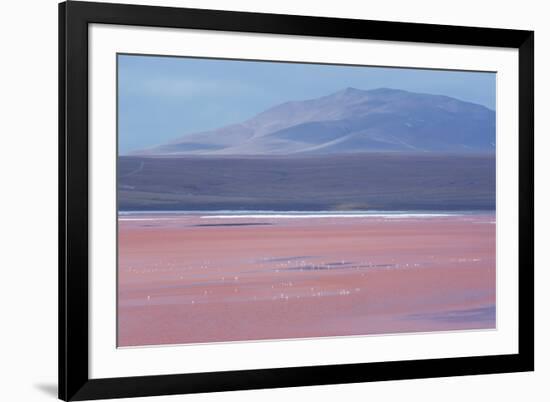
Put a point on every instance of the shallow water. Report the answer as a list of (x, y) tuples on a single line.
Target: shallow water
[(181, 281)]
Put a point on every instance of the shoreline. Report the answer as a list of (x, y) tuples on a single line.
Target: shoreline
[(305, 213)]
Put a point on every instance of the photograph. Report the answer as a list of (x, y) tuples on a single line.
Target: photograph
[(267, 200)]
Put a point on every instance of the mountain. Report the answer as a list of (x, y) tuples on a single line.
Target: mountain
[(350, 121)]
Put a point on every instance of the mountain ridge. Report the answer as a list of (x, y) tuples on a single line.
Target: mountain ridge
[(349, 121)]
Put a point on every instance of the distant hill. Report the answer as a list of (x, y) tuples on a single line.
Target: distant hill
[(350, 121)]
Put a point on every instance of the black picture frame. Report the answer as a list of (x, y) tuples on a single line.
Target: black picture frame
[(74, 381)]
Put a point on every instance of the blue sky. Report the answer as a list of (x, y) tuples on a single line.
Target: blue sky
[(162, 98)]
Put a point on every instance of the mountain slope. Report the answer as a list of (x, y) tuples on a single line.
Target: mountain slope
[(350, 121)]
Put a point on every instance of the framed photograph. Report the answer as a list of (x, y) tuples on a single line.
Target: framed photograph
[(257, 200)]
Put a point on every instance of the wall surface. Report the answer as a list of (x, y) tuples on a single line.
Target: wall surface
[(28, 166)]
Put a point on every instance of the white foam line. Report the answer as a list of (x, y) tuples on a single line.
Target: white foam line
[(145, 219), (386, 216)]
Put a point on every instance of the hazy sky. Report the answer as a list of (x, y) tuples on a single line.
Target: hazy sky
[(162, 98)]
